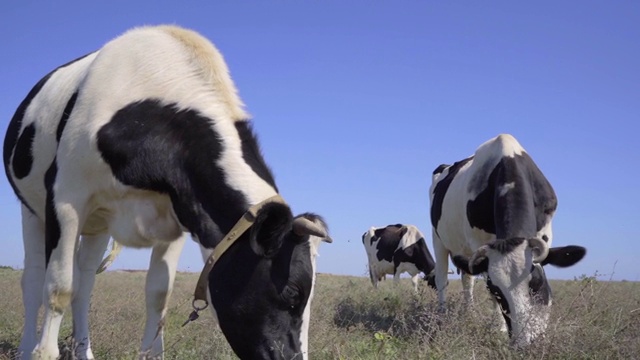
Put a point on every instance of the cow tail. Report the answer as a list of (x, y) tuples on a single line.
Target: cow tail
[(115, 250)]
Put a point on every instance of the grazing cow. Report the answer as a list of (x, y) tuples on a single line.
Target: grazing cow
[(492, 213), (396, 249), (144, 140)]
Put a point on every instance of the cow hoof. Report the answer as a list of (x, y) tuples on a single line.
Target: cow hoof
[(84, 354), (43, 354)]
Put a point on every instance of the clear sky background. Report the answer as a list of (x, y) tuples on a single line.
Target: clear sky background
[(356, 102)]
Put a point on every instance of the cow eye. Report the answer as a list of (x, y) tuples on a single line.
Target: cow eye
[(291, 295)]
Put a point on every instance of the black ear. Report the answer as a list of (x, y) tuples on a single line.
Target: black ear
[(564, 256), (431, 280), (481, 265), (272, 224)]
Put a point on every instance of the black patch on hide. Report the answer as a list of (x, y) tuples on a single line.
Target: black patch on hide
[(441, 188), (52, 224), (388, 239), (23, 152), (159, 147), (251, 153), (13, 130), (417, 254), (65, 115), (523, 210)]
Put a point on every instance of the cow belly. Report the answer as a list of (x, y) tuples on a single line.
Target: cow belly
[(382, 268), (407, 267), (139, 221)]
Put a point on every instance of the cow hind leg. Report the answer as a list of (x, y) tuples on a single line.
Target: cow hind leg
[(32, 279), (159, 283), (88, 258), (62, 224)]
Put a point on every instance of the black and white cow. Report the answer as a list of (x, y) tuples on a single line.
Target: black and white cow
[(492, 212), (396, 249), (144, 140)]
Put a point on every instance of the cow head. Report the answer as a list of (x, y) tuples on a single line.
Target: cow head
[(430, 278), (516, 278), (261, 288)]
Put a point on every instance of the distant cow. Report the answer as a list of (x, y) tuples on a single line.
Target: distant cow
[(145, 140), (492, 212), (396, 249)]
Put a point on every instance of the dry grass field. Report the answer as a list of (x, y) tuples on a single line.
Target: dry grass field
[(591, 319)]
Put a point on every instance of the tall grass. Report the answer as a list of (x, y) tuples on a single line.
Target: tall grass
[(590, 319)]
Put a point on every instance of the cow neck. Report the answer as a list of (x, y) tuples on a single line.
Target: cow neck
[(245, 222)]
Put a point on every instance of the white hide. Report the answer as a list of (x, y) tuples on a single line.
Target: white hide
[(167, 63)]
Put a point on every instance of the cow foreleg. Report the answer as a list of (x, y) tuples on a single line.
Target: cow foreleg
[(58, 285), (467, 288), (159, 283), (414, 279), (375, 278), (396, 277), (442, 269), (500, 318), (88, 258), (372, 278), (32, 280)]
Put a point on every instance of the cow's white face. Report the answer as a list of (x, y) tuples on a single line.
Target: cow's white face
[(516, 278), (262, 287), (522, 289)]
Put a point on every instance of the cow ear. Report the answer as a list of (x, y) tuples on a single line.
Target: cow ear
[(431, 280), (564, 256), (480, 266), (272, 223)]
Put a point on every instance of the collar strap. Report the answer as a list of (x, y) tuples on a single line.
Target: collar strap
[(245, 222)]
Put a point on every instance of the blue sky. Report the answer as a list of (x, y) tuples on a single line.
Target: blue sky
[(356, 102)]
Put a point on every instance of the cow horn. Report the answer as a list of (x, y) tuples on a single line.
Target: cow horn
[(303, 226), (542, 249), (481, 252)]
